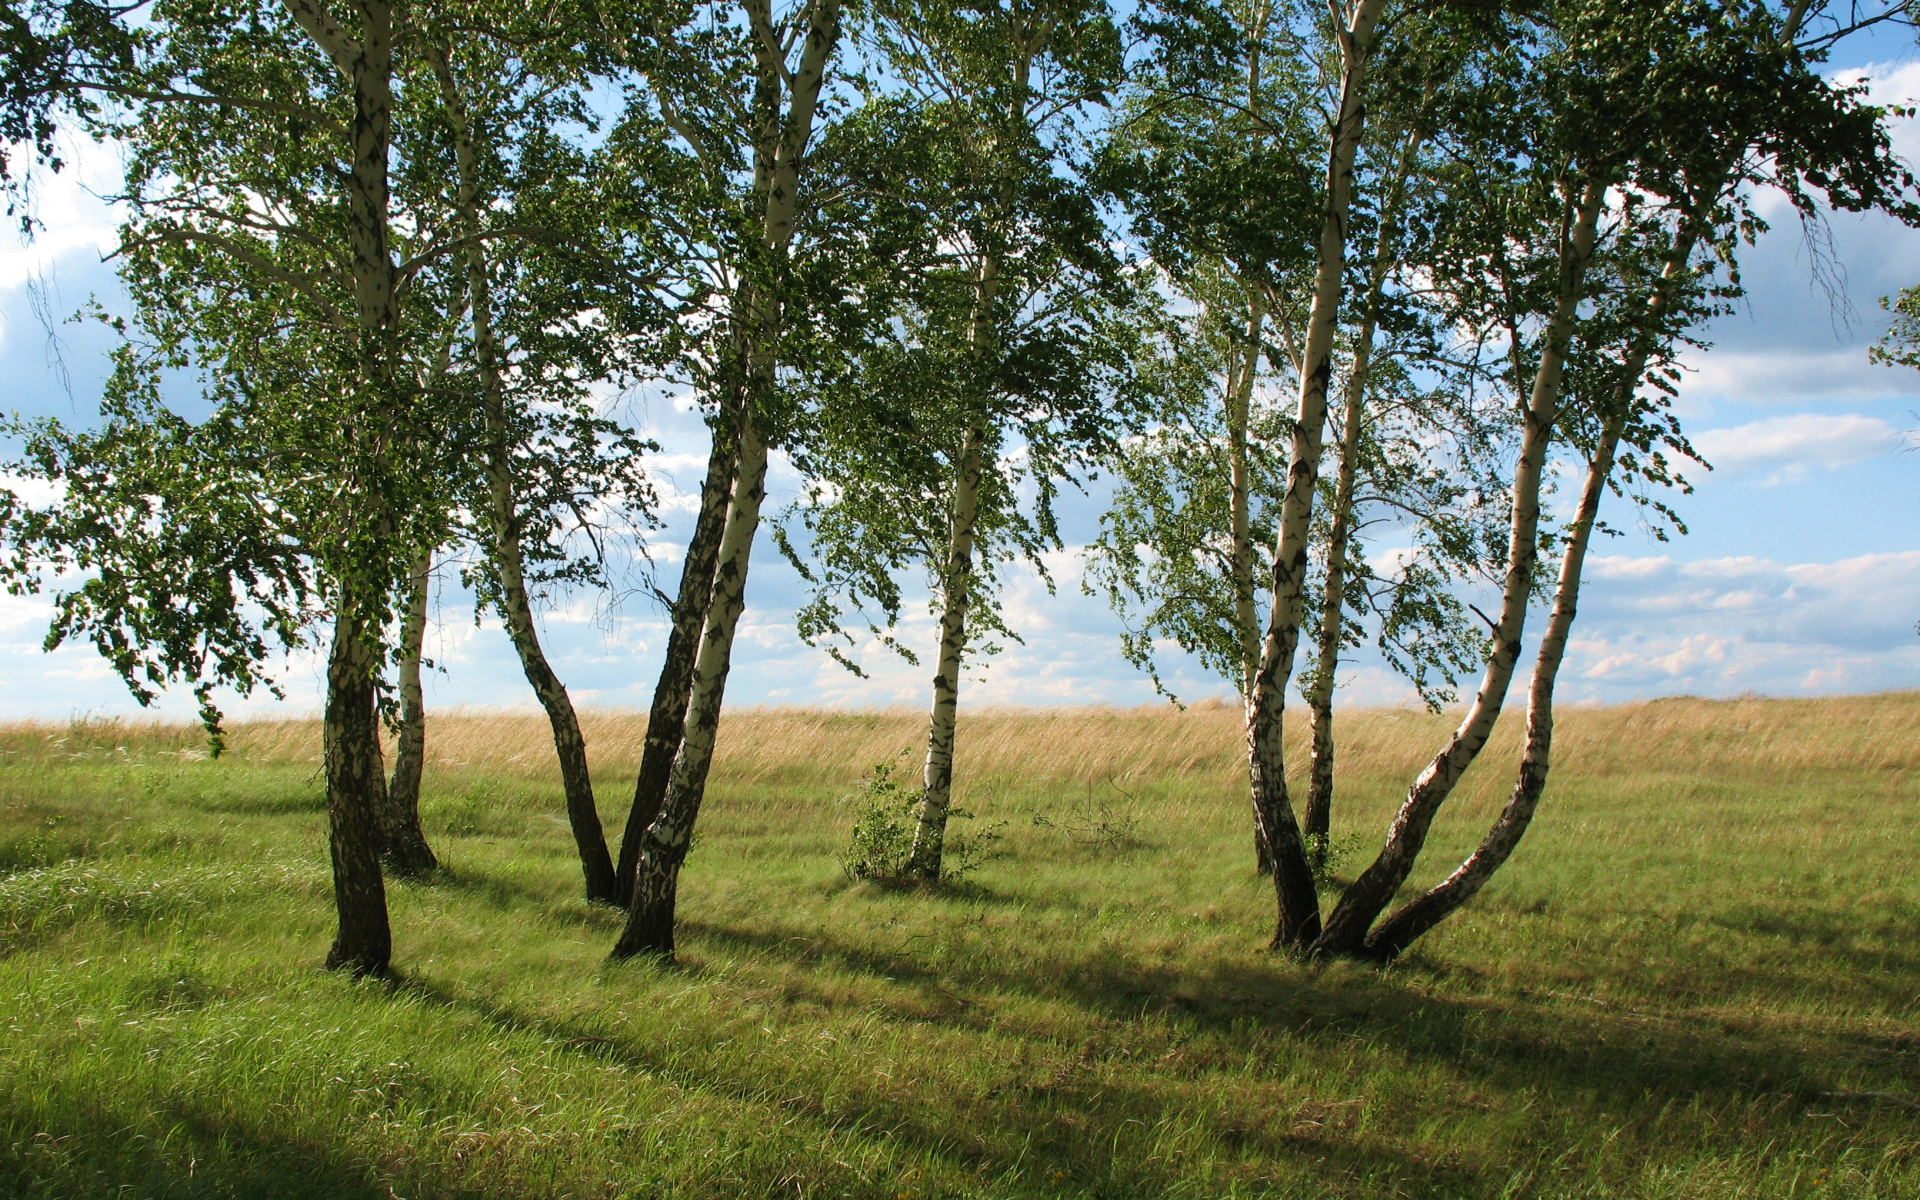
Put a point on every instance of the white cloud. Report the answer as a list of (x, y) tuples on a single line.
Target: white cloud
[(1787, 447), (1654, 626), (1777, 376), (68, 204)]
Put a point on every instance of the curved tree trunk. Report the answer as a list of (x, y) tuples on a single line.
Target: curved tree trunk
[(356, 794), (1401, 929), (407, 851), (504, 523), (1411, 921), (667, 719), (650, 917), (1346, 928), (596, 864), (1298, 921)]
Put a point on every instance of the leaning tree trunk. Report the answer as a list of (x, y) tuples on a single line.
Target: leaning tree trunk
[(667, 719), (777, 166), (596, 864), (356, 794), (1405, 926), (407, 852), (1346, 929), (1319, 815), (1298, 920), (650, 916), (1401, 929), (504, 522)]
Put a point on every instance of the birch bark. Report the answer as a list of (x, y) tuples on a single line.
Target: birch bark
[(1241, 374), (1346, 929), (356, 782), (505, 523), (1319, 815), (650, 916), (1406, 925), (956, 578), (1299, 905), (667, 719), (407, 851), (778, 162)]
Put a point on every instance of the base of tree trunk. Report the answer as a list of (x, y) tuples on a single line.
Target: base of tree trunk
[(649, 928), (409, 856)]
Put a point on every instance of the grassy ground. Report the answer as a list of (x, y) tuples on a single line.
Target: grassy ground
[(1687, 983)]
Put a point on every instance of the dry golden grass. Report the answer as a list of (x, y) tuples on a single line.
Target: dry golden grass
[(1740, 738)]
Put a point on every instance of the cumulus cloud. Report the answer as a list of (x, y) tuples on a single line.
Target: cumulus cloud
[(1653, 626), (1785, 448), (76, 220)]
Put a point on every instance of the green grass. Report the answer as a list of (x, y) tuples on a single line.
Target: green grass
[(1699, 943)]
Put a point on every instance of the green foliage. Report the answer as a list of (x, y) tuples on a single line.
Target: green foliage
[(1327, 854), (997, 323), (882, 836), (883, 827)]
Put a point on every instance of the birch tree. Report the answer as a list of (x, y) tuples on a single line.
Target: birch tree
[(538, 279), (754, 151), (259, 176), (1214, 170), (275, 250), (997, 372), (1753, 114)]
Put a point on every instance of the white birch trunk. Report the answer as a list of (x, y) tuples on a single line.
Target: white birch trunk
[(504, 521), (1319, 816), (407, 851), (356, 784), (650, 918), (930, 829), (1402, 928), (956, 575), (1238, 396), (778, 158), (1299, 906), (1346, 928)]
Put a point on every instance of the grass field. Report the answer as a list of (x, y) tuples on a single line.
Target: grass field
[(1699, 977)]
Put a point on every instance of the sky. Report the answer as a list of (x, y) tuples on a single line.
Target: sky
[(1800, 573)]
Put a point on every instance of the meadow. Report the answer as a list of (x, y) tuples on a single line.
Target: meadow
[(1699, 977)]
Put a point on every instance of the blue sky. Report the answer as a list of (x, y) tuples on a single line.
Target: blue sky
[(1800, 576)]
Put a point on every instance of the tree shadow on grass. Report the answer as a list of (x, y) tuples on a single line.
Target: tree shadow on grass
[(1053, 1132), (504, 893), (1620, 1057), (85, 1149)]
